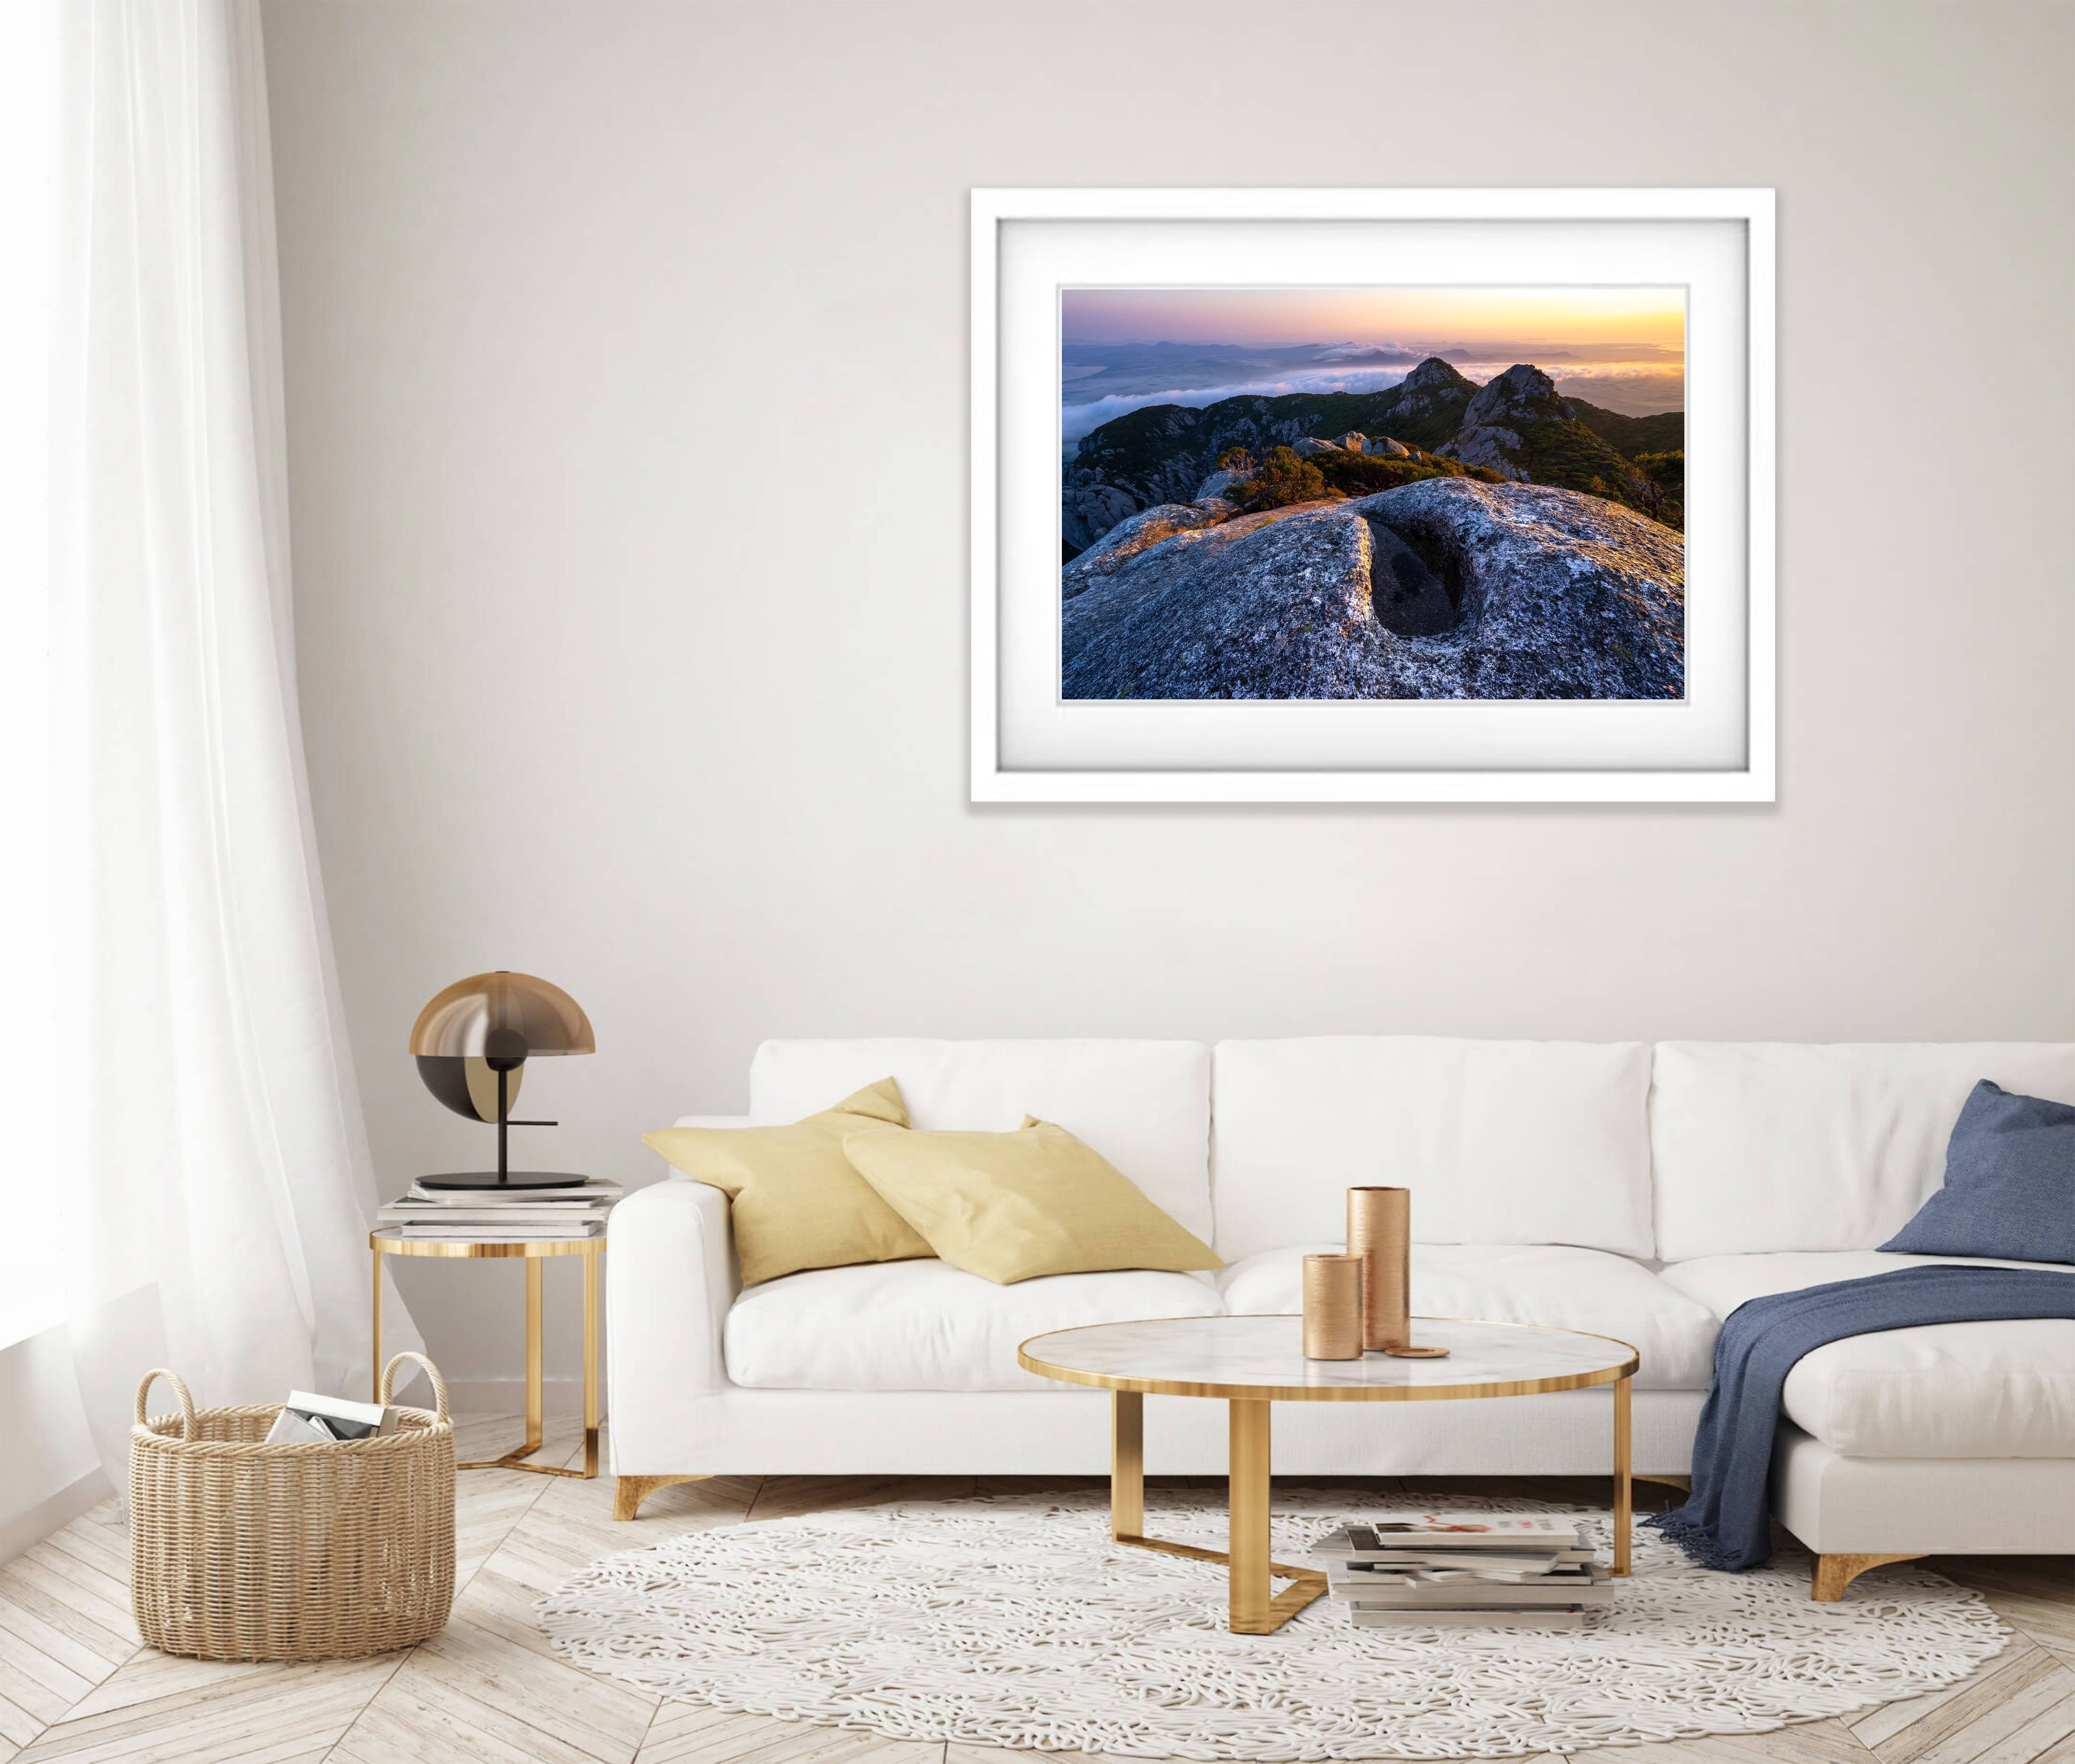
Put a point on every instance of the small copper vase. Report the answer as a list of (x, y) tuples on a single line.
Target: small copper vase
[(1332, 1307)]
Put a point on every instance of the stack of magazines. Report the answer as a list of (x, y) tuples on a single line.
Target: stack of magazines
[(1526, 1570), (577, 1209)]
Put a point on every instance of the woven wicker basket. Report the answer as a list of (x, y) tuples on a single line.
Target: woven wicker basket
[(244, 1552)]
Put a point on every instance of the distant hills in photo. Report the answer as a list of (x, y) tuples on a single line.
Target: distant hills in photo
[(1519, 426)]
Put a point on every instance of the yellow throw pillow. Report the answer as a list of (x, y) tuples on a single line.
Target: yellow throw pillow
[(795, 1199), (1010, 1207)]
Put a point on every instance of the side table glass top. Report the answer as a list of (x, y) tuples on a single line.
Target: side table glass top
[(1263, 1357)]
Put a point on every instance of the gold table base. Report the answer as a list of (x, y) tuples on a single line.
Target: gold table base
[(592, 1249), (1255, 1607)]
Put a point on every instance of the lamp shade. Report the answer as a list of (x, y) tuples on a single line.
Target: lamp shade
[(501, 1017)]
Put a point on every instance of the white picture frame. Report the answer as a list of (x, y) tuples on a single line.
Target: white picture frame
[(1717, 745)]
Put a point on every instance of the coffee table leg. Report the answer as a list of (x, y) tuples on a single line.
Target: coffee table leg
[(1624, 1491), (1250, 1573), (1247, 1499), (1127, 1466)]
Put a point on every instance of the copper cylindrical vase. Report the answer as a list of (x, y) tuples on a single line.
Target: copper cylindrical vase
[(1379, 1232), (1332, 1307)]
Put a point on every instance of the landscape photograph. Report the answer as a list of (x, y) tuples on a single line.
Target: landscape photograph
[(1372, 493)]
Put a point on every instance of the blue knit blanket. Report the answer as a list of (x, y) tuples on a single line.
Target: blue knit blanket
[(1726, 1523)]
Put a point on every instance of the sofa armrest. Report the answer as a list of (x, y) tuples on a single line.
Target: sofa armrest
[(672, 1279)]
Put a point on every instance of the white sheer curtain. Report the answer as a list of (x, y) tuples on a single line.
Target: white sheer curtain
[(212, 1143), (29, 1063)]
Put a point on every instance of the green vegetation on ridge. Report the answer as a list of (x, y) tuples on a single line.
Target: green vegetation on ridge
[(1142, 441), (1663, 432), (1276, 482), (1570, 456), (1283, 477), (1363, 474)]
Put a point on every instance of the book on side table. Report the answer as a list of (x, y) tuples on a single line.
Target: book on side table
[(529, 1214)]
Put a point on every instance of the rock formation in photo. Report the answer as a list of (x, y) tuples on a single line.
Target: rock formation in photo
[(1447, 588)]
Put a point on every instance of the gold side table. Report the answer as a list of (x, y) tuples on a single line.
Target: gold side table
[(392, 1242)]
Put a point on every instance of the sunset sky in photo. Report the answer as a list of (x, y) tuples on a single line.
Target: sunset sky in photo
[(1466, 316)]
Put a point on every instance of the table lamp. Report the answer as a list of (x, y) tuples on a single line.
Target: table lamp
[(472, 1042)]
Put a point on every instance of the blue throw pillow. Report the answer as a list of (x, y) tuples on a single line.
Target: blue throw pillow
[(2009, 1183)]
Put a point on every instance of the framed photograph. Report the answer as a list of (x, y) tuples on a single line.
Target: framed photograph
[(1373, 495)]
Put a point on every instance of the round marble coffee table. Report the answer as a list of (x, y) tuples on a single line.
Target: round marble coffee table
[(1253, 1361)]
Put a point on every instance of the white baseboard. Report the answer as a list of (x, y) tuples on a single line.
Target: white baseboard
[(507, 1396), (26, 1530)]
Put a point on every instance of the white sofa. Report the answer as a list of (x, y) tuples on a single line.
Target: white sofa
[(1632, 1190)]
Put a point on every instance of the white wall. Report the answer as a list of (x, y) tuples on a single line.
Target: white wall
[(49, 1473), (626, 357)]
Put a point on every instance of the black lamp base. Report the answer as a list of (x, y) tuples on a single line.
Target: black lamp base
[(490, 1181)]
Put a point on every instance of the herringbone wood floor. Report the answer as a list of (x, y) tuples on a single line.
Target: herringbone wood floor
[(74, 1685)]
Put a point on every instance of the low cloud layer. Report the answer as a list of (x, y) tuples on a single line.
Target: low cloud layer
[(1078, 419), (1632, 392)]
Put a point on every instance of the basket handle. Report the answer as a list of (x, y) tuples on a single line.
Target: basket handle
[(179, 1390), (431, 1372)]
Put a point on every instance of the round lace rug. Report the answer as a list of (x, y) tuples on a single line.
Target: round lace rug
[(1015, 1621)]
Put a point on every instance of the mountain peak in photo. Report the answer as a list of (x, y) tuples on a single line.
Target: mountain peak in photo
[(1522, 390), (1521, 427), (1435, 372)]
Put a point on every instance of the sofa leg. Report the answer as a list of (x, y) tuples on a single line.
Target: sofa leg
[(1834, 1573), (630, 1492)]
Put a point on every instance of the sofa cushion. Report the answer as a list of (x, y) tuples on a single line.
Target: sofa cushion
[(795, 1199), (928, 1326), (1020, 1206), (1673, 1335), (1762, 1147), (1144, 1105), (2002, 1390), (1513, 1142), (2010, 1183)]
